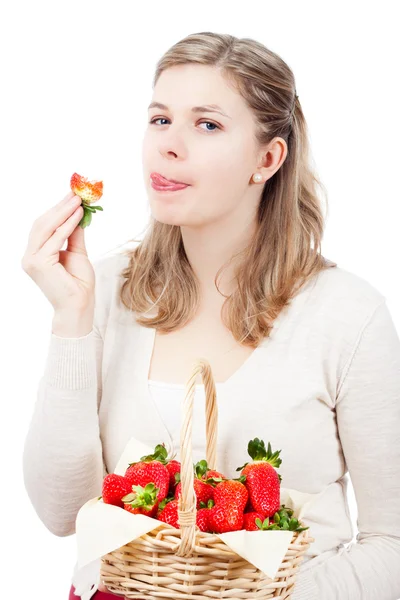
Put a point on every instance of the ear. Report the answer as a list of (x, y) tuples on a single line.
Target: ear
[(272, 157)]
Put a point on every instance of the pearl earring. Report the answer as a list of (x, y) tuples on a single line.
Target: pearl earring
[(257, 177)]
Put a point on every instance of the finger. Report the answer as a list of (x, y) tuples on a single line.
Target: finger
[(76, 241), (44, 227), (57, 240)]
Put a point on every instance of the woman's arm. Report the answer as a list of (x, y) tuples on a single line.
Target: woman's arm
[(368, 420), (63, 464)]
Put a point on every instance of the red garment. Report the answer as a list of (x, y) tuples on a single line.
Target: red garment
[(96, 596)]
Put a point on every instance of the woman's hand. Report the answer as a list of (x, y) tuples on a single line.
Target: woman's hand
[(66, 277)]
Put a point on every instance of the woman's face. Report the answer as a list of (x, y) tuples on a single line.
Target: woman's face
[(215, 153)]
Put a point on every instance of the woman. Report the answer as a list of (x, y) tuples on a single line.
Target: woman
[(304, 354)]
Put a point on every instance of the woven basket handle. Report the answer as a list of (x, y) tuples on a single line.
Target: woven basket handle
[(187, 501)]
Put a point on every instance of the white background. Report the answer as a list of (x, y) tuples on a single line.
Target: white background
[(76, 82)]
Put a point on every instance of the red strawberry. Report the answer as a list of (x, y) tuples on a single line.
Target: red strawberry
[(249, 507), (223, 518), (232, 492), (173, 467), (169, 513), (160, 455), (142, 500), (203, 519), (214, 474), (202, 471), (204, 491), (143, 472), (249, 521), (230, 497), (114, 488), (262, 481)]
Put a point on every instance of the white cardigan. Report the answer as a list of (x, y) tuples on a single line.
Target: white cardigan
[(324, 388)]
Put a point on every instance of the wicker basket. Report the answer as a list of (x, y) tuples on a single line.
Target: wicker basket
[(186, 563)]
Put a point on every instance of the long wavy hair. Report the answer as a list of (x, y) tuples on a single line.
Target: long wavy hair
[(285, 252)]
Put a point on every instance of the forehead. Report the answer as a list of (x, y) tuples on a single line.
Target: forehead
[(183, 87)]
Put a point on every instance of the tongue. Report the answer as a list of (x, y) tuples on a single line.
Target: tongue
[(164, 181)]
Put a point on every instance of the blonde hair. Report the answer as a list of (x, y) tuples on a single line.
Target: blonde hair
[(279, 259)]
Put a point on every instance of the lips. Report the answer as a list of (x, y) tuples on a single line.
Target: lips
[(160, 180)]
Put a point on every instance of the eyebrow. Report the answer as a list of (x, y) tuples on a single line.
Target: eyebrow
[(195, 109)]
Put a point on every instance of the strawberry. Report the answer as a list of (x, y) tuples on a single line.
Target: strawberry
[(249, 507), (203, 472), (89, 192), (214, 475), (149, 470), (230, 497), (232, 492), (114, 488), (203, 516), (169, 513), (249, 521), (174, 467), (204, 491), (142, 500), (261, 479), (203, 485), (162, 504), (223, 518), (203, 519)]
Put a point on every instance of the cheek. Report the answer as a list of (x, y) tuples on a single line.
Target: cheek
[(146, 149), (226, 161)]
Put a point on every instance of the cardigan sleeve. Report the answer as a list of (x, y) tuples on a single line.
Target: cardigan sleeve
[(63, 464), (368, 424)]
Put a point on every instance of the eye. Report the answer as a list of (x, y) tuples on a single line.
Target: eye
[(153, 122)]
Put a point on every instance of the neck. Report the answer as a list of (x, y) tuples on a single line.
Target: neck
[(209, 248)]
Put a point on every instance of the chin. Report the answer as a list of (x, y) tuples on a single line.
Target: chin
[(167, 217)]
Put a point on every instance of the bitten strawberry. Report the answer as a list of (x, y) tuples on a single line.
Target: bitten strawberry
[(262, 481), (148, 470), (89, 191), (114, 488), (142, 500)]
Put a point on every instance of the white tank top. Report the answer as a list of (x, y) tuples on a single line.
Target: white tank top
[(168, 399)]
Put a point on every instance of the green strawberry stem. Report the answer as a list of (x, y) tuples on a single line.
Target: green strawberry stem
[(142, 496), (87, 217), (164, 502), (242, 478), (282, 519), (258, 452), (160, 453), (209, 504), (200, 468)]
